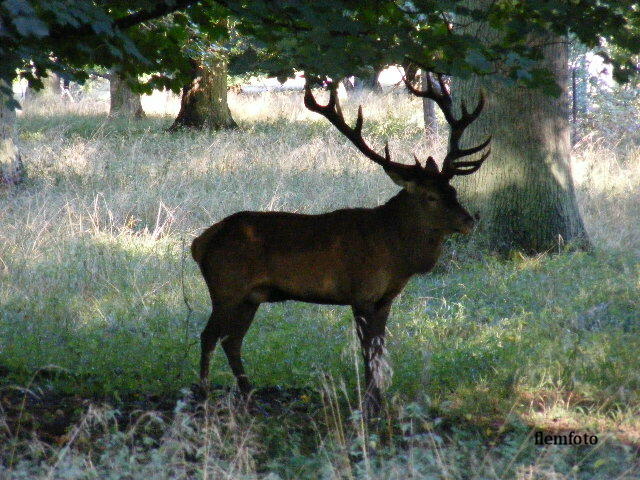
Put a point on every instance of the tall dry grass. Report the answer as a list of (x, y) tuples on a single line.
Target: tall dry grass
[(608, 190), (85, 178), (162, 184)]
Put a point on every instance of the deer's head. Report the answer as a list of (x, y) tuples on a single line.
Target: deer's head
[(428, 186), (434, 199)]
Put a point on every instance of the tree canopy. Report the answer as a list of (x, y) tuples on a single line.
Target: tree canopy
[(342, 36), (334, 38), (66, 37)]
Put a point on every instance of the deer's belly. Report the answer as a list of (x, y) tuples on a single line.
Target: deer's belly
[(323, 286), (277, 295)]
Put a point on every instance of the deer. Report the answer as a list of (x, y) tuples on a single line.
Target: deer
[(358, 257)]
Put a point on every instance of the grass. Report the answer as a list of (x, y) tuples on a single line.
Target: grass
[(95, 280)]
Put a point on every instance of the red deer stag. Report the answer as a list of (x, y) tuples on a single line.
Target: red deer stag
[(361, 257)]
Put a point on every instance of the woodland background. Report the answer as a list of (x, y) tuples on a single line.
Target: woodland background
[(101, 305)]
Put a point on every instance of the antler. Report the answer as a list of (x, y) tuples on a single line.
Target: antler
[(442, 97), (332, 112)]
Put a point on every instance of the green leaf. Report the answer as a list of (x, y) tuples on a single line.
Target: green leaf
[(478, 61), (30, 26)]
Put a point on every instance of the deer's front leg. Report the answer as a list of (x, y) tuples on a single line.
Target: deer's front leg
[(371, 321)]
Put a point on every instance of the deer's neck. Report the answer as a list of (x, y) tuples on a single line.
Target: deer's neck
[(418, 244)]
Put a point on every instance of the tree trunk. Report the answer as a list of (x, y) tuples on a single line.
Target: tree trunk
[(524, 192), (370, 82), (579, 88), (11, 167), (28, 94), (124, 102), (204, 100), (428, 111), (53, 81), (410, 72), (346, 83)]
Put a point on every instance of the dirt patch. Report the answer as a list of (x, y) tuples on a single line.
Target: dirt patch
[(50, 415)]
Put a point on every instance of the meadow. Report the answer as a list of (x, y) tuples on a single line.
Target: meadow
[(102, 307)]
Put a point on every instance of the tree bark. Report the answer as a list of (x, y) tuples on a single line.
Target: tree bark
[(53, 81), (346, 83), (370, 82), (428, 111), (124, 102), (11, 167), (524, 192), (204, 100)]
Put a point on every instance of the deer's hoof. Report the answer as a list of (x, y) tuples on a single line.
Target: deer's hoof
[(200, 391)]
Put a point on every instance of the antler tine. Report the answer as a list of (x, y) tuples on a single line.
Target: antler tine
[(478, 148), (457, 126), (332, 112), (463, 109), (359, 121), (460, 167), (449, 166), (442, 97), (467, 117)]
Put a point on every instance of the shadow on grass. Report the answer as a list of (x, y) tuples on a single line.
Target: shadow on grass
[(34, 125), (110, 312), (88, 125)]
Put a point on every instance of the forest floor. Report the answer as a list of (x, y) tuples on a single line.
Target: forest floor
[(102, 306)]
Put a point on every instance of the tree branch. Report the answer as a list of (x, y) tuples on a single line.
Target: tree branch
[(160, 10), (128, 21)]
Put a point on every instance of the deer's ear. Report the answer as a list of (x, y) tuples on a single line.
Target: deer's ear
[(431, 167), (398, 179)]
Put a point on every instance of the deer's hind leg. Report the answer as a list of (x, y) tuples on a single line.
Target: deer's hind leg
[(229, 324), (232, 336), (371, 322), (208, 339)]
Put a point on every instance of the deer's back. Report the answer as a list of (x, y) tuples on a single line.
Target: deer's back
[(327, 258)]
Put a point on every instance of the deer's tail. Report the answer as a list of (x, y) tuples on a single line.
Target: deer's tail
[(197, 249), (202, 244), (199, 254)]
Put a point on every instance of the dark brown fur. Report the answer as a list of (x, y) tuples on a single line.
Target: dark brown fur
[(361, 257)]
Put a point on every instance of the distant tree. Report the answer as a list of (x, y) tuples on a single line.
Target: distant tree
[(610, 108), (54, 84), (204, 99), (63, 37), (123, 102), (428, 110), (370, 80), (11, 167), (578, 69)]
